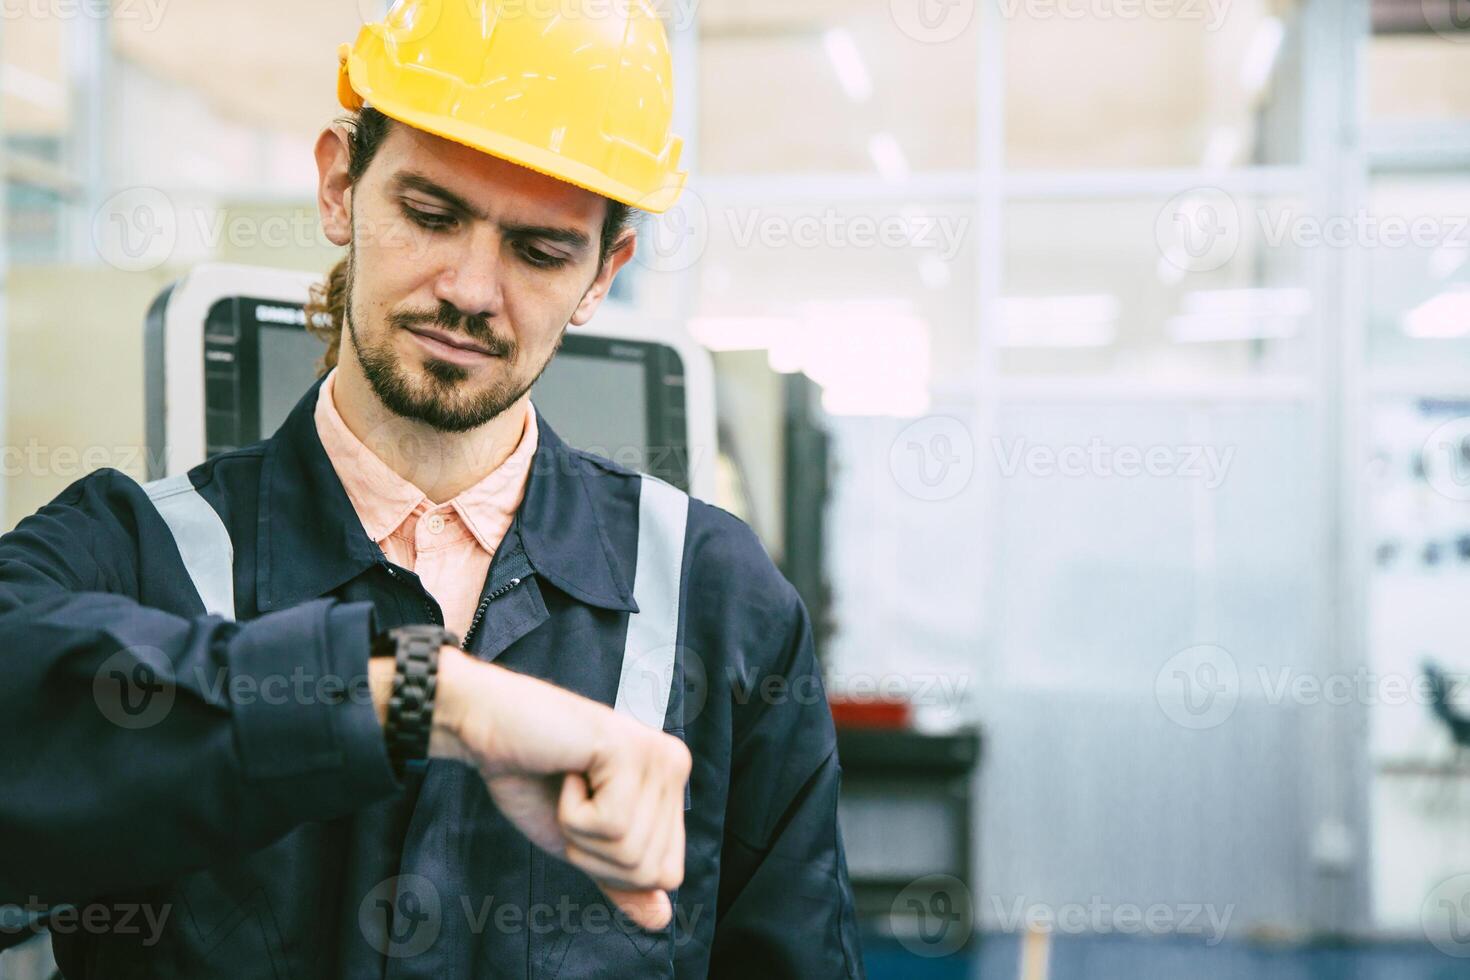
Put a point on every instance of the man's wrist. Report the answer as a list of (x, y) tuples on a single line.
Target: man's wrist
[(457, 675)]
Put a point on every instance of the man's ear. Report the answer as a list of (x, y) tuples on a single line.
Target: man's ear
[(334, 189), (597, 292)]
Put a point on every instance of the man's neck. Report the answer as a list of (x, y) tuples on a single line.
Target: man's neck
[(441, 464)]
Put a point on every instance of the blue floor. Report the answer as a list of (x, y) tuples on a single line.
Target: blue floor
[(1127, 958)]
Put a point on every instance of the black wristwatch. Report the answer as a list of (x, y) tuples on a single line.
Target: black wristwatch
[(415, 652)]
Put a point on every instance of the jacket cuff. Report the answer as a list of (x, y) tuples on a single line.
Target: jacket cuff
[(301, 708)]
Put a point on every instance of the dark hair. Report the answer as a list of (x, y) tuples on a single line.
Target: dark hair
[(326, 310)]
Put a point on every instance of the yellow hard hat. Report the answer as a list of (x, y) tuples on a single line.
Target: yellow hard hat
[(582, 90)]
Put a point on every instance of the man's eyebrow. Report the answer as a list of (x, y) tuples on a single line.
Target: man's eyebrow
[(410, 180)]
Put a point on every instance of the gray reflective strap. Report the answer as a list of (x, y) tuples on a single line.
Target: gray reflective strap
[(203, 541), (649, 654)]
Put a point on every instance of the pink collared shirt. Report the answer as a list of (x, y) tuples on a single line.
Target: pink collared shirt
[(449, 545)]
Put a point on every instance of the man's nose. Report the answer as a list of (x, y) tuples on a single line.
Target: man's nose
[(472, 283)]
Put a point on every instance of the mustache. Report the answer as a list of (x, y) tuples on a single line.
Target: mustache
[(474, 327)]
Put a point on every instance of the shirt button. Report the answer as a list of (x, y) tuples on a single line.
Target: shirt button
[(436, 523)]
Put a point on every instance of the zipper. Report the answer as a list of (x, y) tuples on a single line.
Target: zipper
[(484, 604), (479, 610)]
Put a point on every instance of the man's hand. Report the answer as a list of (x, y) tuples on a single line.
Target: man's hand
[(602, 791)]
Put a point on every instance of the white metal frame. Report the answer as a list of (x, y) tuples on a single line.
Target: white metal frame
[(184, 317)]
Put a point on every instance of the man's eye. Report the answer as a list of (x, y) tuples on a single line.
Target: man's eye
[(429, 219), (544, 260)]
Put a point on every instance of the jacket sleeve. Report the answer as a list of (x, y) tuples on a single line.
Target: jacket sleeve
[(785, 907), (137, 745)]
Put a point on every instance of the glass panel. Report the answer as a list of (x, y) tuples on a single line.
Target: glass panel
[(1417, 64), (1418, 483), (813, 86), (33, 84), (1203, 285), (1419, 280), (1119, 85), (34, 224), (875, 302)]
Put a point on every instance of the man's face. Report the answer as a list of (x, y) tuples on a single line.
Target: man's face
[(464, 271)]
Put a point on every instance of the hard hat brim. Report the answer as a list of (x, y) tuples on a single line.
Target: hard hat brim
[(536, 158)]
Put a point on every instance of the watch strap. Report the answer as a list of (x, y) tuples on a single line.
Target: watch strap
[(410, 722)]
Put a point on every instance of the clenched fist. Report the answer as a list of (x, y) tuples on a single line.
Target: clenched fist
[(602, 791)]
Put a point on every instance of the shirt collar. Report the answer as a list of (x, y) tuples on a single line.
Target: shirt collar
[(383, 499), (310, 539)]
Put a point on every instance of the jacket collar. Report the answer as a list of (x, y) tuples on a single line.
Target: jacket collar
[(310, 540)]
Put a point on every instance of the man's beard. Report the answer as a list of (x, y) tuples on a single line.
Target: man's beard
[(432, 401)]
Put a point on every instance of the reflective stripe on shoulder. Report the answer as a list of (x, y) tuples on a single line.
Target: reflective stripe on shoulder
[(649, 653), (202, 539)]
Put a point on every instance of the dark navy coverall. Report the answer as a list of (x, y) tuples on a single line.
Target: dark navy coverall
[(227, 774)]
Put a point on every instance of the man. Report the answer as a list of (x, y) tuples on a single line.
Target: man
[(595, 744)]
